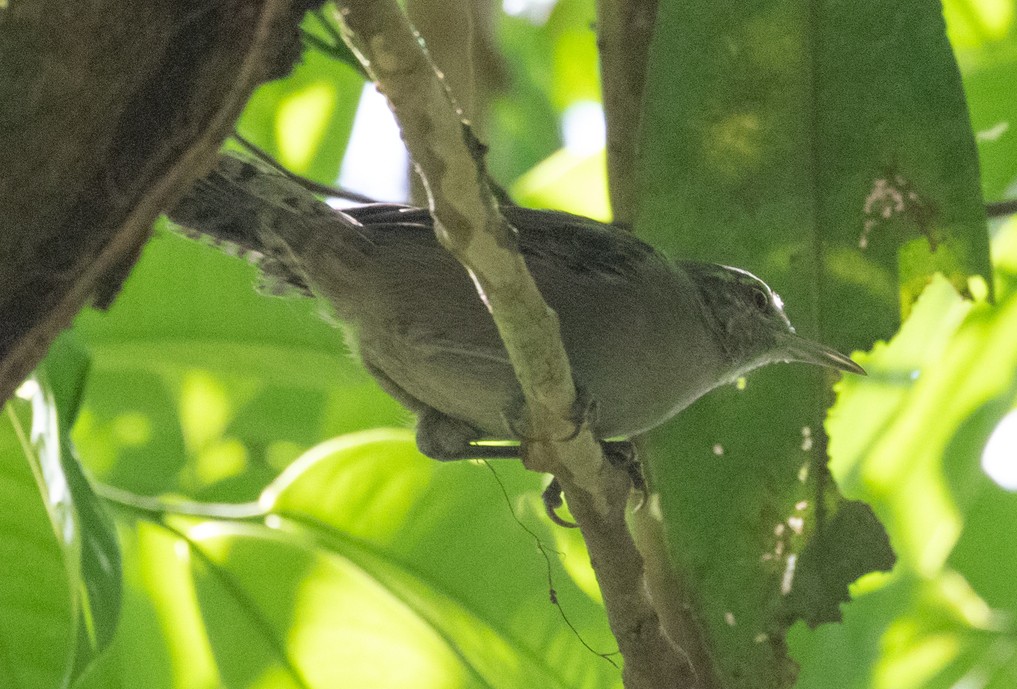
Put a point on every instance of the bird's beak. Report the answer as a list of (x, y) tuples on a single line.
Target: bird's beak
[(807, 351)]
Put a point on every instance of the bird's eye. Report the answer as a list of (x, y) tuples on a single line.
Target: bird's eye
[(760, 298)]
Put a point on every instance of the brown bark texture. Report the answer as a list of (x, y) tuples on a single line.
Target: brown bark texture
[(108, 110)]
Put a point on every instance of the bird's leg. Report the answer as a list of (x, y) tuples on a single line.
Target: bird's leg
[(439, 436), (584, 411)]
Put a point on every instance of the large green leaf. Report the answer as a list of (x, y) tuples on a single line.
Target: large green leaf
[(39, 546), (330, 613), (910, 440), (443, 539), (65, 371), (60, 599), (778, 136), (374, 567), (161, 642), (62, 583), (771, 128)]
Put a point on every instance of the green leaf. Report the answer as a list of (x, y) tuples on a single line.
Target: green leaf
[(777, 137), (910, 440), (923, 417), (904, 632), (574, 73), (304, 121), (985, 40), (777, 133), (66, 370), (440, 538), (39, 545), (161, 642), (984, 550), (568, 182), (328, 614), (375, 567), (87, 585)]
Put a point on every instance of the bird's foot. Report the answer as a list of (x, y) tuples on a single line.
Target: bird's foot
[(622, 454), (448, 439), (618, 453)]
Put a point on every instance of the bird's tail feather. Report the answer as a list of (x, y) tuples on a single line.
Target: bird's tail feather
[(245, 204)]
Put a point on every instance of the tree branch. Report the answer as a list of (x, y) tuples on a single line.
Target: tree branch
[(1001, 209), (624, 31), (468, 223), (467, 220)]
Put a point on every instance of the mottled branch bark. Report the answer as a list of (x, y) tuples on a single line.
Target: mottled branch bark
[(469, 224), (624, 31)]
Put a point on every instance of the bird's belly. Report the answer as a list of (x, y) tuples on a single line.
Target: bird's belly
[(635, 387), (460, 384), (630, 397), (639, 374)]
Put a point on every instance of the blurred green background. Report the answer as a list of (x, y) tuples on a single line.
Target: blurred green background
[(380, 568)]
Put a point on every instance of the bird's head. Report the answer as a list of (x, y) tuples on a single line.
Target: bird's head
[(750, 325)]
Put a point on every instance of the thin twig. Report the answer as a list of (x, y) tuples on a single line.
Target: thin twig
[(470, 227), (309, 184), (1001, 209), (328, 26), (624, 31), (315, 42)]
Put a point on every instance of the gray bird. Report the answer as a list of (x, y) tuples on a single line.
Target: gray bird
[(646, 336)]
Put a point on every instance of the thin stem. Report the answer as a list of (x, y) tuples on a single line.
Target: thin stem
[(315, 42), (624, 31), (329, 27), (1001, 209), (158, 507), (309, 184)]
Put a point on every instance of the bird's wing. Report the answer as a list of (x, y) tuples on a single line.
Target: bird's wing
[(582, 245)]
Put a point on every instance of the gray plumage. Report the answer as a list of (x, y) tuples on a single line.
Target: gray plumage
[(645, 336)]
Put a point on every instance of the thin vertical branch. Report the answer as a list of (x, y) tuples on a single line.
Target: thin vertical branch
[(624, 32), (469, 224)]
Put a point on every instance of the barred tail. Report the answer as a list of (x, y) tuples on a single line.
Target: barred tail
[(246, 204)]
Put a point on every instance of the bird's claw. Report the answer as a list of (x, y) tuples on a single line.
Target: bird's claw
[(584, 411), (552, 499), (620, 454)]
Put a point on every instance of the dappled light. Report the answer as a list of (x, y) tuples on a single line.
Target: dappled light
[(999, 458), (301, 122), (202, 486), (569, 182)]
